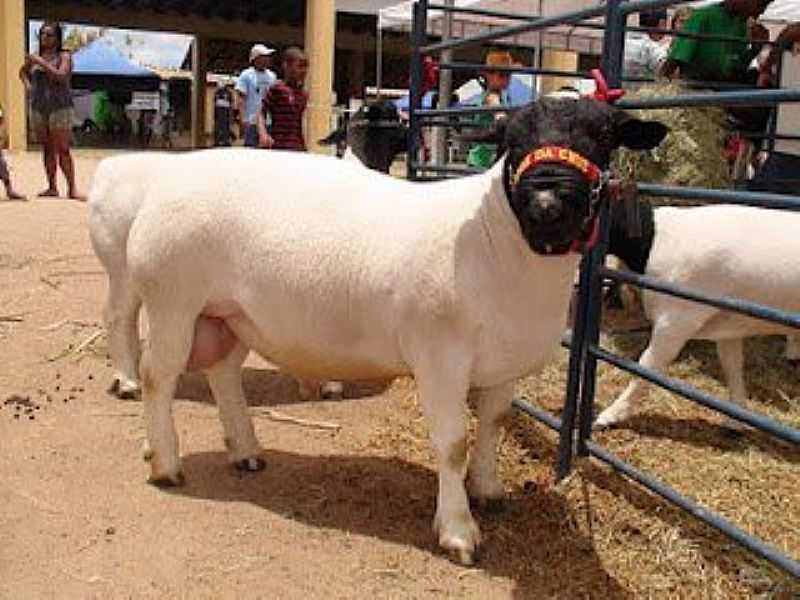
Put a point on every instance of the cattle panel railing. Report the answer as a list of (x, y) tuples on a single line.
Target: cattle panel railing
[(574, 426)]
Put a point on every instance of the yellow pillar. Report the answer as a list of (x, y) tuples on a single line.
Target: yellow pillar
[(12, 55), (319, 46), (199, 59), (558, 60)]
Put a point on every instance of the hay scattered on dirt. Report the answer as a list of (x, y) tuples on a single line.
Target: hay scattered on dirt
[(603, 535)]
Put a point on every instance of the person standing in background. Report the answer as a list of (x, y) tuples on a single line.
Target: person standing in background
[(46, 76), (5, 176), (223, 110), (285, 104), (495, 84), (252, 87), (645, 51)]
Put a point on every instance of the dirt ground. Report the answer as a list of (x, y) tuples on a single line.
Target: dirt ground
[(338, 513)]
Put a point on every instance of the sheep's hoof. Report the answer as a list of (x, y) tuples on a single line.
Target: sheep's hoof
[(460, 538), (491, 506), (124, 391), (251, 464), (332, 390), (167, 481)]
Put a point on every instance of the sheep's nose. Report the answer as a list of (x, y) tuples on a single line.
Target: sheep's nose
[(546, 207)]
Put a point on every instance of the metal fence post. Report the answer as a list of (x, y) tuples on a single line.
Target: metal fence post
[(418, 38), (613, 48)]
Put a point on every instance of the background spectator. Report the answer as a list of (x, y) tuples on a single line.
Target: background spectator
[(285, 104), (645, 52), (223, 110), (252, 86), (781, 171), (5, 176), (709, 60), (495, 84), (46, 77)]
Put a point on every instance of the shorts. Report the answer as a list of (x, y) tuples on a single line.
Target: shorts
[(57, 119)]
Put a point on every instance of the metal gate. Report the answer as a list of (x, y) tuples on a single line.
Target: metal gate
[(574, 426)]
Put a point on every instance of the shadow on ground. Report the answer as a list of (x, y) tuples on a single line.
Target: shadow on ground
[(530, 541)]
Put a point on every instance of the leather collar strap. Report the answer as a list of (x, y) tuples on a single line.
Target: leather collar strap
[(558, 155)]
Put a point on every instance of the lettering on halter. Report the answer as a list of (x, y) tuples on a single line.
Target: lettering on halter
[(557, 154)]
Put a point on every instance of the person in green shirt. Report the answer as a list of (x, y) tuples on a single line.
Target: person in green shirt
[(708, 60), (482, 155)]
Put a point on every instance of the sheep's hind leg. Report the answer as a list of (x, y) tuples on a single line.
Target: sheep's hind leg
[(225, 380), (442, 393), (122, 322), (163, 360), (493, 406), (666, 342), (731, 357)]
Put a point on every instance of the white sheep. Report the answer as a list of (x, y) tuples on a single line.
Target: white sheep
[(739, 251), (333, 271)]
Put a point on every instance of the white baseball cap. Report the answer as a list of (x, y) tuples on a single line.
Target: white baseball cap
[(260, 50)]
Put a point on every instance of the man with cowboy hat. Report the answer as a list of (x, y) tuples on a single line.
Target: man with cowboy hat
[(495, 84), (252, 86)]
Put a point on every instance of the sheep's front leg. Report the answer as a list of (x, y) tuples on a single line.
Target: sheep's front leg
[(442, 391), (122, 322), (163, 361), (225, 380), (493, 405), (666, 342), (731, 356)]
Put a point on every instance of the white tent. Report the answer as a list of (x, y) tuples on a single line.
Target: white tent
[(398, 16)]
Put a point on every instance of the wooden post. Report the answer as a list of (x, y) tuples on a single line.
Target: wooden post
[(320, 39), (12, 55)]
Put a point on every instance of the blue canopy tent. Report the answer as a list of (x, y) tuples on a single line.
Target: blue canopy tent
[(101, 66)]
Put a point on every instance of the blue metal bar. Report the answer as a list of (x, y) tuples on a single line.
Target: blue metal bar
[(467, 110), (473, 67), (419, 33), (494, 34), (613, 50), (762, 199), (447, 169), (736, 98), (646, 5), (537, 413), (728, 408), (755, 545), (751, 309), (577, 355)]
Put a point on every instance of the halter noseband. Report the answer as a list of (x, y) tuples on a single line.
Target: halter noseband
[(597, 178)]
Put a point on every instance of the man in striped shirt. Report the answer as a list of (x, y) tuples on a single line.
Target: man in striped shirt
[(285, 102)]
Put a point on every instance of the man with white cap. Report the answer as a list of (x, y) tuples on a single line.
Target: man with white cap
[(251, 86)]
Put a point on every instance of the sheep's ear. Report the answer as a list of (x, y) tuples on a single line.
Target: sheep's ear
[(636, 134), (335, 137)]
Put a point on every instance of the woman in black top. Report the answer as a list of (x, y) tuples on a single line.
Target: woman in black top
[(46, 76)]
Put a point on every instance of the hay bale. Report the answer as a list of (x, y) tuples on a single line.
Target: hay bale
[(691, 154)]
